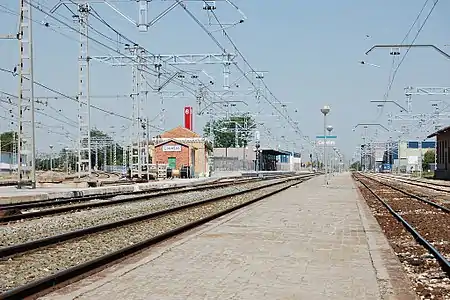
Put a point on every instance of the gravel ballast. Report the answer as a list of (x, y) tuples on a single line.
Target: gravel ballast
[(21, 269), (34, 229), (425, 273)]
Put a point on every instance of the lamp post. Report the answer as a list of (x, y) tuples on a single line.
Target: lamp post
[(333, 170), (325, 110), (329, 129), (51, 157)]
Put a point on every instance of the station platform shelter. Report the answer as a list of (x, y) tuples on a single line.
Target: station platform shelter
[(276, 160), (245, 158)]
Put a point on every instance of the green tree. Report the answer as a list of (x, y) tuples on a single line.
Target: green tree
[(428, 159), (7, 141), (356, 166), (98, 135), (227, 132)]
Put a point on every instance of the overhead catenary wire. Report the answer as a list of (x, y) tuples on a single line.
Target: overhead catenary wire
[(176, 82), (288, 119), (394, 70)]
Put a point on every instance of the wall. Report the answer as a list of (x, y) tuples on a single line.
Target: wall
[(232, 164), (201, 156), (443, 161), (408, 151), (161, 157), (6, 157), (201, 159), (239, 153)]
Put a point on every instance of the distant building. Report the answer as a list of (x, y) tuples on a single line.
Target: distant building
[(411, 154), (443, 154), (404, 156), (238, 159)]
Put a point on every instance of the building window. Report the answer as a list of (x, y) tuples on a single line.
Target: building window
[(428, 145), (413, 145)]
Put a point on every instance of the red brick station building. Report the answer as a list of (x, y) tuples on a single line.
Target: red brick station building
[(182, 147)]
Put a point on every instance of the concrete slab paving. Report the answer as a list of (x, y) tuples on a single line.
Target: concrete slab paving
[(308, 242)]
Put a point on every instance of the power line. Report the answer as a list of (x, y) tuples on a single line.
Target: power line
[(413, 41), (66, 96), (394, 71), (288, 119)]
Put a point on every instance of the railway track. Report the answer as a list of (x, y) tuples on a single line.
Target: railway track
[(419, 232), (436, 202), (38, 228), (15, 212), (417, 183), (32, 268)]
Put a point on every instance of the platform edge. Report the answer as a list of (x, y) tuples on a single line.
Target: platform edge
[(393, 283)]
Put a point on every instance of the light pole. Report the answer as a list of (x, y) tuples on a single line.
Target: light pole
[(334, 164), (51, 157), (329, 129), (325, 110)]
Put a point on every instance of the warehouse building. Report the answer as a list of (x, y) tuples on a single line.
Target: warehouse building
[(410, 154), (404, 156)]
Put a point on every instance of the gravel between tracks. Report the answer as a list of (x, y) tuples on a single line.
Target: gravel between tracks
[(423, 217), (30, 266), (29, 230), (439, 197), (429, 281)]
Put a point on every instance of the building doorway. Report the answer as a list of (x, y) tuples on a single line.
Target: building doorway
[(172, 162)]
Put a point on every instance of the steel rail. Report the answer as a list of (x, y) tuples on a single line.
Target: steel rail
[(434, 204), (445, 264), (41, 285), (141, 196), (423, 184), (32, 245), (44, 203), (81, 197), (61, 201)]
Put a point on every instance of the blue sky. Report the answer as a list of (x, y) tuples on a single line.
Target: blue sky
[(311, 50)]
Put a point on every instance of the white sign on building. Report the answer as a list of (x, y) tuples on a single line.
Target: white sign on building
[(171, 148)]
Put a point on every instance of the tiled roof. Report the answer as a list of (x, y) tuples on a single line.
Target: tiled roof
[(171, 141), (440, 131), (179, 132)]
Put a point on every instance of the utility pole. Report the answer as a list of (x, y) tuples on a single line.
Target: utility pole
[(26, 156), (84, 102), (136, 146), (147, 150)]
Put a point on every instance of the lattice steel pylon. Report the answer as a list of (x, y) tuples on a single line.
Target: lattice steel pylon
[(26, 148), (84, 103), (135, 154)]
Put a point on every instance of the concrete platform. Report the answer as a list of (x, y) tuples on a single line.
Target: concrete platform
[(308, 242), (14, 195)]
